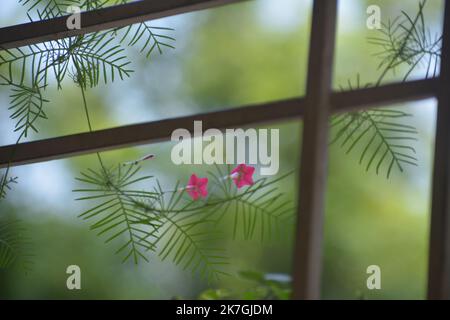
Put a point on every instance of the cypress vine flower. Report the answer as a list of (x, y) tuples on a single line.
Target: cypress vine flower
[(197, 187), (242, 175)]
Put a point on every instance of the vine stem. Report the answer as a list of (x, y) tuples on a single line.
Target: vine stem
[(88, 118), (403, 45)]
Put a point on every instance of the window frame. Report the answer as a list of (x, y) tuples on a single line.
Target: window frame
[(315, 108)]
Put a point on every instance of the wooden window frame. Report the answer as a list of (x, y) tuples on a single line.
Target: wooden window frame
[(315, 108)]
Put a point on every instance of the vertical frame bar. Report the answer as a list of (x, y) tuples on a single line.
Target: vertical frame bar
[(313, 170), (439, 243)]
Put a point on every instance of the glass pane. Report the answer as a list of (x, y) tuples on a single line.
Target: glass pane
[(385, 41), (249, 227), (241, 54), (373, 219)]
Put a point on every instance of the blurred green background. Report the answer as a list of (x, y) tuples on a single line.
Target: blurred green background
[(236, 55)]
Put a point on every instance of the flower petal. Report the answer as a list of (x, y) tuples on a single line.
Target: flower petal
[(193, 193)]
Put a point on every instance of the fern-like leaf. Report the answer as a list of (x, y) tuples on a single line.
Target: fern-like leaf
[(14, 245), (48, 9), (188, 240), (259, 209), (406, 41), (384, 140), (6, 183), (114, 215), (26, 106), (184, 234), (150, 38), (380, 134), (95, 57)]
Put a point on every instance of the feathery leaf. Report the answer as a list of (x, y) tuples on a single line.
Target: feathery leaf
[(14, 245)]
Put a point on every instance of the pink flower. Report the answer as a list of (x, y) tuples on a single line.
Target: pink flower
[(197, 187), (242, 175)]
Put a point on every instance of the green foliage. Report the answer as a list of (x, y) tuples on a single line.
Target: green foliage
[(14, 245), (265, 287), (177, 227), (383, 137), (26, 106), (87, 59), (406, 41), (116, 216), (259, 210), (48, 9), (378, 129), (379, 134), (6, 183), (149, 37), (95, 57), (185, 235)]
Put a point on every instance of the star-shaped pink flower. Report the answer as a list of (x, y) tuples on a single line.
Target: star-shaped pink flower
[(242, 175), (197, 187)]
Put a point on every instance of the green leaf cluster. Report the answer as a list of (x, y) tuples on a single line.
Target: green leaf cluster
[(383, 136), (172, 224)]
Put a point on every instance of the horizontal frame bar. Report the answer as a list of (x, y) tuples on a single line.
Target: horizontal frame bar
[(101, 19), (157, 131), (388, 94), (144, 133)]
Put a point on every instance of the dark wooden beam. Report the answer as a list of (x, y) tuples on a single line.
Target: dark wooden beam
[(102, 19), (314, 153), (144, 133), (439, 243), (381, 96), (150, 132)]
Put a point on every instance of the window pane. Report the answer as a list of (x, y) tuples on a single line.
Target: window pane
[(240, 54), (255, 238), (385, 41), (375, 220)]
